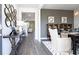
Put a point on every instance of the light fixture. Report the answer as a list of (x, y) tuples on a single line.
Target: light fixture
[(76, 12)]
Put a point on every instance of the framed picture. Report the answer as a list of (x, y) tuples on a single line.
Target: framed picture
[(64, 19), (50, 19)]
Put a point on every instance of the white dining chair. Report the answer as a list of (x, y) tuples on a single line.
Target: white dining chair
[(59, 45)]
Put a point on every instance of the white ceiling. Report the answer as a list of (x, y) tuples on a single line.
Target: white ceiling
[(29, 5), (26, 16), (50, 6), (61, 6)]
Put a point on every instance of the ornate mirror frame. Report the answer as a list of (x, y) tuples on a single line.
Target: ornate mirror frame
[(10, 14)]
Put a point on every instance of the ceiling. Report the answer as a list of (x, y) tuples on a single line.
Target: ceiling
[(50, 6), (31, 16), (29, 5), (61, 6)]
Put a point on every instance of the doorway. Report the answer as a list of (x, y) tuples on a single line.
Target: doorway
[(29, 19)]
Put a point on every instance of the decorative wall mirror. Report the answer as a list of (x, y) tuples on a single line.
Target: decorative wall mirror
[(12, 8), (10, 14), (7, 22), (7, 12), (13, 23), (7, 5), (50, 19)]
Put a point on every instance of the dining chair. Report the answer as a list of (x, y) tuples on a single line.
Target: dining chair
[(59, 45)]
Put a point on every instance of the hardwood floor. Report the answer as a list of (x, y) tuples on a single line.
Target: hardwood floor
[(30, 46)]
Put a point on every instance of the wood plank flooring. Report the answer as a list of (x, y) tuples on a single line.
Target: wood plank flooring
[(30, 46)]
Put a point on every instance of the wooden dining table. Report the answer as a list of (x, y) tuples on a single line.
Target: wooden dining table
[(74, 38)]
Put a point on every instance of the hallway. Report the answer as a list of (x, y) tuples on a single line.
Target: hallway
[(31, 47)]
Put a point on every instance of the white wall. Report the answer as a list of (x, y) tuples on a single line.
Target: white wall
[(6, 45), (76, 19), (37, 19)]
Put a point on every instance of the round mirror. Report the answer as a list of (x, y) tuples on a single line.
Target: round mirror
[(7, 22), (7, 5), (13, 23), (11, 8), (7, 13), (10, 14)]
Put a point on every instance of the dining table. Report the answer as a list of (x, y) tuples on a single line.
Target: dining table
[(74, 38)]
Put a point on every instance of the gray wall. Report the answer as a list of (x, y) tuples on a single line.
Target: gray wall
[(76, 19), (0, 30), (57, 14)]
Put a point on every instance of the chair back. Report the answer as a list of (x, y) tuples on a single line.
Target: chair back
[(53, 33), (59, 45), (54, 37)]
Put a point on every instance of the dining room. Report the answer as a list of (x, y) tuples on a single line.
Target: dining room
[(60, 28)]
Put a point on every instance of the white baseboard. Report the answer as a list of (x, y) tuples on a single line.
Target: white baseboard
[(44, 38)]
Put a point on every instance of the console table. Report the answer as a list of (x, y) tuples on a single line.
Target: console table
[(12, 39)]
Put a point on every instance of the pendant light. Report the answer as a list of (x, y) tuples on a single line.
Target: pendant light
[(76, 13)]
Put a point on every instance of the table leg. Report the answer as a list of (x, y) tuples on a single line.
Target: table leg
[(74, 46), (14, 46)]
